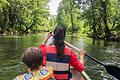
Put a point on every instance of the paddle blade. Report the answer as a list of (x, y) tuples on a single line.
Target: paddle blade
[(113, 70)]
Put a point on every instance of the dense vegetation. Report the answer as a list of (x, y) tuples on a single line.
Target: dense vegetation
[(23, 16), (96, 18), (99, 19)]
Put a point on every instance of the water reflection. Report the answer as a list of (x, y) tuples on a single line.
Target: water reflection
[(11, 49)]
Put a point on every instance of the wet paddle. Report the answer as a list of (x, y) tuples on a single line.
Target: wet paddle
[(112, 70)]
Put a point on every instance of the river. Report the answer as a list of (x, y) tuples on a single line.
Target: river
[(11, 48)]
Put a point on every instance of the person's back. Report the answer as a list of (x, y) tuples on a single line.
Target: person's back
[(60, 57), (60, 65), (33, 59)]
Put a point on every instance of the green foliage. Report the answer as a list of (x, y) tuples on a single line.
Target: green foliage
[(68, 14), (23, 15), (102, 17), (96, 18)]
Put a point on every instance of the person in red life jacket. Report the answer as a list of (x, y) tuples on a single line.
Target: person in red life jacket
[(60, 57), (33, 60)]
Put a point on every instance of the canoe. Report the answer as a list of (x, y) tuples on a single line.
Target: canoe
[(79, 76)]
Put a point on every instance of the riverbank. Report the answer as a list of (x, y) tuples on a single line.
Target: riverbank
[(110, 38)]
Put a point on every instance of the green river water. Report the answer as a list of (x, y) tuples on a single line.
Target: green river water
[(11, 48)]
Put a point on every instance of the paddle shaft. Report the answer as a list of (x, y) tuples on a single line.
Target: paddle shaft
[(68, 44)]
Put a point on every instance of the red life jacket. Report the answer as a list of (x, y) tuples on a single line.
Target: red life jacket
[(60, 65)]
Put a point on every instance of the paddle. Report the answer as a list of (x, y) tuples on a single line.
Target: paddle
[(112, 70)]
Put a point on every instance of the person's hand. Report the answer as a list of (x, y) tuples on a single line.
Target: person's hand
[(81, 53), (48, 36)]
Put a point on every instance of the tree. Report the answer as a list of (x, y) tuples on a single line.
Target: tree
[(68, 14), (23, 15), (99, 17)]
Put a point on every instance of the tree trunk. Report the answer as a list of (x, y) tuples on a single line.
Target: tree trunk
[(93, 22), (12, 16), (29, 27), (6, 19), (106, 29), (72, 24), (71, 16)]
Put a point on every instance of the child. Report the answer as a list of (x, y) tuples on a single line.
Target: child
[(33, 59)]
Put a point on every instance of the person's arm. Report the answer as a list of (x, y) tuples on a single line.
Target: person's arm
[(81, 55), (48, 36), (77, 64)]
